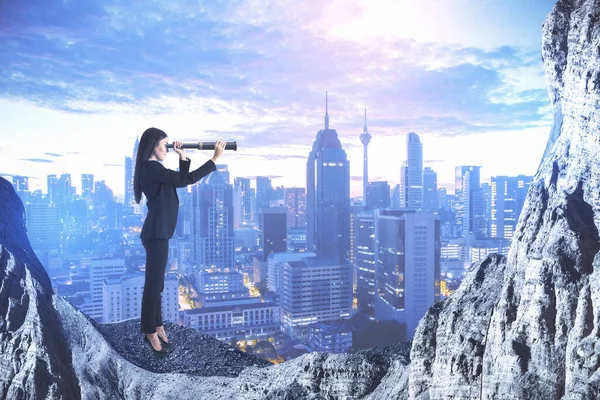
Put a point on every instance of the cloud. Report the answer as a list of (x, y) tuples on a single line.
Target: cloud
[(263, 70), (113, 165), (37, 160), (54, 155)]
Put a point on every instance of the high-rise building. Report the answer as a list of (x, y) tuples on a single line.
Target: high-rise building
[(365, 139), (87, 185), (355, 210), (137, 208), (242, 202), (275, 263), (507, 198), (443, 199), (185, 214), (486, 191), (278, 197), (272, 224), (213, 220), (403, 187), (430, 191), (43, 225), (295, 202), (20, 183), (365, 261), (122, 298), (407, 265), (472, 203), (64, 189), (129, 199), (328, 195), (396, 201), (314, 290), (296, 240), (378, 195), (414, 172), (52, 188), (263, 192), (100, 269)]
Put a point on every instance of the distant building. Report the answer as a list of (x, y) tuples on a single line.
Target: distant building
[(407, 250), (314, 290), (330, 337), (240, 321), (122, 298)]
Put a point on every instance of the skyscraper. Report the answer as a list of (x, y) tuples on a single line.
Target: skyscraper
[(243, 201), (507, 199), (87, 185), (137, 208), (472, 204), (263, 192), (365, 139), (464, 201), (430, 192), (365, 261), (213, 220), (295, 201), (43, 225), (378, 195), (407, 265), (314, 290), (101, 268), (414, 171), (272, 224), (64, 189), (128, 182), (396, 201), (21, 183), (403, 186), (52, 188), (328, 195)]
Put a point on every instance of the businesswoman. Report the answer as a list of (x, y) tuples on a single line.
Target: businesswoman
[(159, 186)]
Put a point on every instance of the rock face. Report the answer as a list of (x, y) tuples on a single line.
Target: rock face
[(528, 327), (35, 361)]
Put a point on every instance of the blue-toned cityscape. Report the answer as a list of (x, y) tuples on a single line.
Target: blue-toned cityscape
[(281, 271)]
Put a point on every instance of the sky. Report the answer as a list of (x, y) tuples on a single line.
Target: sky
[(79, 81)]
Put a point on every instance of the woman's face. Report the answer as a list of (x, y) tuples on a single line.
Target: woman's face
[(160, 151)]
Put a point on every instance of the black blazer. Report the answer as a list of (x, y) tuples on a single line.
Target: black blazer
[(159, 186)]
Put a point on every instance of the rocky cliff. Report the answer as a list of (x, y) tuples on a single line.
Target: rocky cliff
[(528, 326)]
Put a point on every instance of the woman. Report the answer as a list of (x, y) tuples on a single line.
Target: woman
[(159, 186)]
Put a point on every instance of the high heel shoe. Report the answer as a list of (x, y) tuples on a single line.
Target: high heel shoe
[(166, 345), (159, 353)]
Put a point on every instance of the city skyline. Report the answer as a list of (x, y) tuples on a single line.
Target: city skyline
[(461, 74)]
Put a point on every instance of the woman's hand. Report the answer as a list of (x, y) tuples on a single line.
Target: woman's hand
[(219, 148), (179, 150)]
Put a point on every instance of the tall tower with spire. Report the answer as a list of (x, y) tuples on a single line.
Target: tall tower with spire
[(328, 195), (365, 139)]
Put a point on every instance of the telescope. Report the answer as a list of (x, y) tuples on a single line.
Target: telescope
[(205, 146)]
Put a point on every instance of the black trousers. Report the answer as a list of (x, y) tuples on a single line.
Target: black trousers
[(157, 253)]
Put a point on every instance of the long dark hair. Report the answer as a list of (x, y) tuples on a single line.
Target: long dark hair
[(149, 140)]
